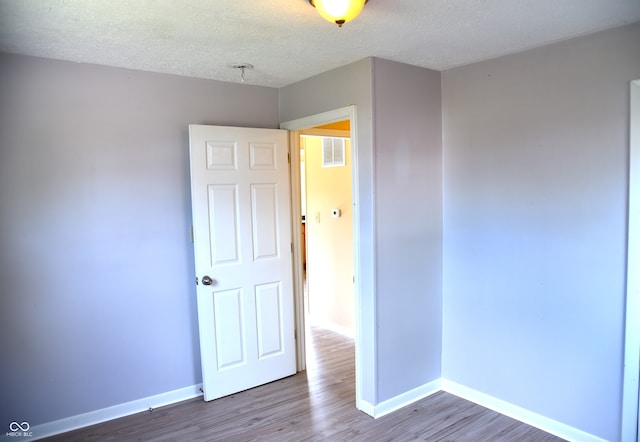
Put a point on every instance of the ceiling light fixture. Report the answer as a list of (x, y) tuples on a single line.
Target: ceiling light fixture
[(338, 11)]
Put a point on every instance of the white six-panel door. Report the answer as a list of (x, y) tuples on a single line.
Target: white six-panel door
[(242, 243)]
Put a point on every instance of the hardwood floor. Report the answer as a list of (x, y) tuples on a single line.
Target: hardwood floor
[(317, 405)]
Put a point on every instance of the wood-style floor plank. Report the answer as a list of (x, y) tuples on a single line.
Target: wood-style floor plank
[(316, 405)]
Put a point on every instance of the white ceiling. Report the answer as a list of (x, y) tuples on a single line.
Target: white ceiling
[(286, 40)]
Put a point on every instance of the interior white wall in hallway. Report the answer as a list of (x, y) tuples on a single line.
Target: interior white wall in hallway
[(535, 212), (329, 238)]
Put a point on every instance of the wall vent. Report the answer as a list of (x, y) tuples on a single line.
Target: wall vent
[(333, 152)]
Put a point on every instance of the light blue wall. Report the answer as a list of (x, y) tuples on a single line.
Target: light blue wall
[(535, 210), (96, 266), (408, 194)]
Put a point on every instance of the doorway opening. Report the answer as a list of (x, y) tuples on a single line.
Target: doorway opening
[(296, 128), (327, 226)]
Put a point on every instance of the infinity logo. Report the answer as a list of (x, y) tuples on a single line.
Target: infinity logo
[(15, 426)]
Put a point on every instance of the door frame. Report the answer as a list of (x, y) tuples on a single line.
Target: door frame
[(631, 391), (295, 127)]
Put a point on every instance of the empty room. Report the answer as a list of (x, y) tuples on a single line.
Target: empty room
[(156, 235)]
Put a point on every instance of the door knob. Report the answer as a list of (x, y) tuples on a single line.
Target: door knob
[(207, 280)]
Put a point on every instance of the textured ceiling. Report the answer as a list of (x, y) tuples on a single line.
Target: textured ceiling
[(286, 40)]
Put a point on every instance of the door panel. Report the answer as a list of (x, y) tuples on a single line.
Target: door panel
[(230, 333), (242, 241), (268, 308), (265, 221), (223, 224)]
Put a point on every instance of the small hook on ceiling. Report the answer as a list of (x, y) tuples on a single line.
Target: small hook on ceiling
[(242, 68)]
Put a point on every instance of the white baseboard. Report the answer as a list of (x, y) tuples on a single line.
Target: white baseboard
[(383, 408), (114, 412), (528, 417), (366, 407), (404, 399)]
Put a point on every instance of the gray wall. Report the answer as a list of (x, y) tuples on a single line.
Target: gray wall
[(96, 267), (399, 164), (535, 208), (408, 194), (331, 90)]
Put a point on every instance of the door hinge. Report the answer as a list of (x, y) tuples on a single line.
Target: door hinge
[(191, 233), (196, 280), (291, 248), (289, 157)]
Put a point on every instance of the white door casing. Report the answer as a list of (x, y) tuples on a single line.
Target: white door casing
[(631, 381), (242, 241), (364, 257)]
